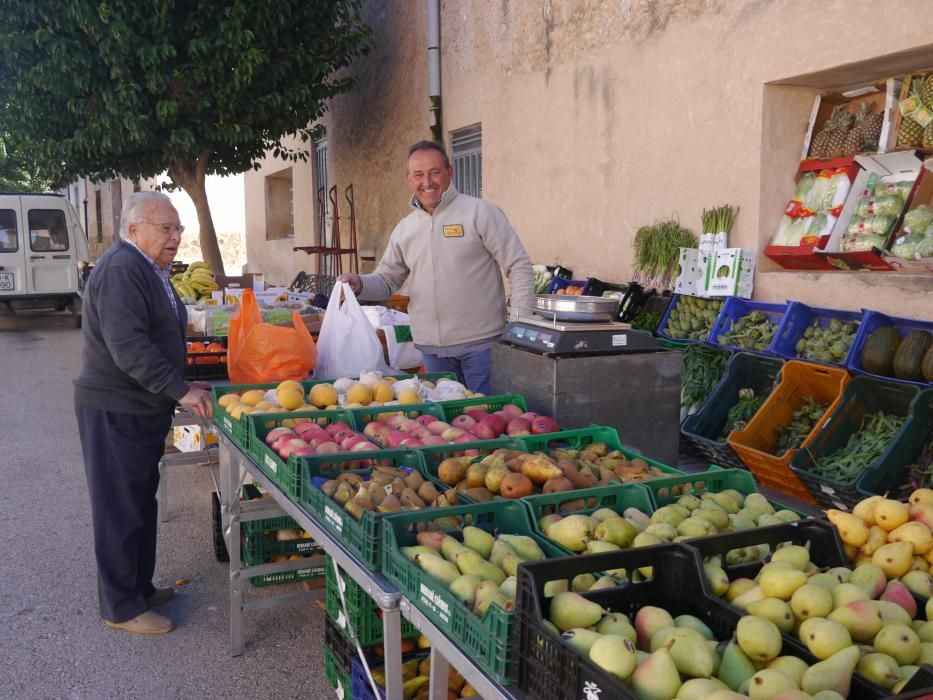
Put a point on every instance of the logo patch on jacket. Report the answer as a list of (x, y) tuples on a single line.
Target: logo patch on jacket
[(453, 231)]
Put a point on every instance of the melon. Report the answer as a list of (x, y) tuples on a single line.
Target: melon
[(908, 360), (879, 350)]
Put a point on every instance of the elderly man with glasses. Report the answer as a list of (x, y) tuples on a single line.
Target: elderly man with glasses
[(132, 376)]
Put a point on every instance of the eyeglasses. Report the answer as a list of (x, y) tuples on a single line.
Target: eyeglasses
[(167, 229)]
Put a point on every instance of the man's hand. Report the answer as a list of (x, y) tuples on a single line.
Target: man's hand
[(356, 284), (198, 400), (200, 385)]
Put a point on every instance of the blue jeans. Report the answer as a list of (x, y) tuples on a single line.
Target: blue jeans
[(473, 369)]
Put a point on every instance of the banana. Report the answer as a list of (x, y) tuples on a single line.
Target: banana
[(200, 265), (410, 669), (410, 687)]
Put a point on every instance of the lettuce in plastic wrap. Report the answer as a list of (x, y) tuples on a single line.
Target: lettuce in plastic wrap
[(918, 220)]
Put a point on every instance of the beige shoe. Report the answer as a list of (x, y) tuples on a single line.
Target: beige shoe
[(145, 623), (161, 595)]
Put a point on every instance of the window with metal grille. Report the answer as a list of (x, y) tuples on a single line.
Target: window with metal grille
[(467, 145), (98, 208), (321, 185)]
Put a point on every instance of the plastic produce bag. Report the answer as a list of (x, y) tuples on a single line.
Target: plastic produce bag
[(258, 352), (347, 344)]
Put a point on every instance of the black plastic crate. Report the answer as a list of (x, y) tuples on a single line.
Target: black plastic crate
[(920, 685), (701, 432), (206, 365)]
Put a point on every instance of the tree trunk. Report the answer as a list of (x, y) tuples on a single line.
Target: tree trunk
[(191, 178)]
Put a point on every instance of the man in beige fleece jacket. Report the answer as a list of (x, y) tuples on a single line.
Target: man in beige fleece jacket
[(451, 248)]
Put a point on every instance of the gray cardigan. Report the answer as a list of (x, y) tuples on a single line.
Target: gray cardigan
[(134, 345)]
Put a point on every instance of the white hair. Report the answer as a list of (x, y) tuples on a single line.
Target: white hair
[(134, 209)]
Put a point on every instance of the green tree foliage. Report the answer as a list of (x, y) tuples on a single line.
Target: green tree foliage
[(106, 88), (18, 172)]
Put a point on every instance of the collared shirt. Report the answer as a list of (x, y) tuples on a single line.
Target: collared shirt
[(163, 274)]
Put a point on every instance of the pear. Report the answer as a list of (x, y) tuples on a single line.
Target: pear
[(696, 527), (894, 558), (638, 519), (824, 580), (546, 521), (926, 654), (603, 582), (827, 695), (759, 638), (570, 610), (656, 678), (791, 666), (740, 522), (852, 530), (738, 587), (787, 516), (891, 514), (509, 587), (450, 546), (411, 552), (552, 588), (916, 533), (925, 631), (469, 562), (617, 623), (781, 583), (649, 620), (694, 623), (767, 683), (759, 503), (668, 514), (664, 531), (524, 546), (715, 515), (862, 618), (488, 593), (689, 502), (618, 531), (581, 639), (865, 509), (603, 513), (835, 673), (478, 540), (826, 638), (572, 532), (769, 519), (898, 641), (581, 582), (750, 596), (726, 695), (804, 629), (870, 578), (598, 546), (811, 600), (907, 672), (797, 556), (876, 537), (731, 503), (773, 609), (879, 669), (499, 551), (614, 654), (439, 568), (464, 587), (735, 668), (892, 612), (794, 694), (691, 655), (699, 688), (510, 564), (661, 638), (846, 593), (717, 578), (897, 592)]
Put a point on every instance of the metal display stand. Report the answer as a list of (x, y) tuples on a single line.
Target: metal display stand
[(169, 459), (234, 466)]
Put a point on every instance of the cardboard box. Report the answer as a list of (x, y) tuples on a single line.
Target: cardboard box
[(903, 93), (891, 167), (692, 275), (731, 272), (273, 295), (233, 295), (191, 438), (804, 257), (884, 96)]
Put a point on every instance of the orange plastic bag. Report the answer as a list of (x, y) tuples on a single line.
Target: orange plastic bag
[(259, 352)]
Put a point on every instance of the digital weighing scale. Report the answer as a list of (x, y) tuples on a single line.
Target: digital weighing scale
[(569, 338)]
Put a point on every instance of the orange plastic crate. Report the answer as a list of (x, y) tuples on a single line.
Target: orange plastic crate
[(753, 445)]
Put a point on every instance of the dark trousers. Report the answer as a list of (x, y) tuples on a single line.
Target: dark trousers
[(121, 461), (473, 370)]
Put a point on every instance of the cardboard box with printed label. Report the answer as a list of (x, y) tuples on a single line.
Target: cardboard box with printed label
[(692, 275), (731, 272), (192, 438)]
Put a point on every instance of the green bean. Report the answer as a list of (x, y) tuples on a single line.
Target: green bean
[(862, 448)]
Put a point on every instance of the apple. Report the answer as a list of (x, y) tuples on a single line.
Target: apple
[(420, 433), (371, 429), (276, 433), (432, 439), (464, 422), (484, 431), (543, 424), (411, 442), (406, 425), (466, 437), (364, 446), (350, 440), (326, 448), (510, 410), (304, 452), (451, 434), (438, 427), (342, 435), (396, 437), (425, 420), (306, 431), (518, 427), (395, 420), (477, 413), (337, 426), (529, 416), (496, 422)]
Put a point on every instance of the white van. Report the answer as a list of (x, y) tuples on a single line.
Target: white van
[(44, 253)]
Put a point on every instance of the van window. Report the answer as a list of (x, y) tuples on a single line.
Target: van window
[(47, 230), (9, 241)]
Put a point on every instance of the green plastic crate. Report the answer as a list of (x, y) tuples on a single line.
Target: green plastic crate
[(616, 497), (488, 640), (287, 473), (452, 409), (362, 416), (313, 571), (580, 438), (362, 537), (337, 676), (362, 611), (261, 547), (665, 491)]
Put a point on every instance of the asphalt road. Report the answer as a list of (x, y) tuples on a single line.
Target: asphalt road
[(52, 641)]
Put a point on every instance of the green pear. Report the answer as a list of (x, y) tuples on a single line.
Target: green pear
[(581, 639), (925, 631), (750, 596), (717, 578), (617, 623), (694, 623), (699, 688), (716, 515), (919, 583), (797, 556), (570, 610), (411, 552), (469, 562), (582, 582), (664, 531), (499, 551), (898, 641), (618, 531), (726, 501), (804, 628), (551, 627), (742, 555), (735, 668), (696, 527), (756, 501), (726, 695), (638, 519), (827, 695), (679, 509), (509, 587), (598, 546), (826, 638), (738, 587), (604, 513), (841, 573), (788, 516), (767, 683), (546, 521), (689, 502), (717, 657), (870, 578), (892, 612), (846, 593), (614, 654), (464, 587), (835, 673), (656, 678), (862, 618), (439, 568), (773, 609), (690, 653), (605, 581), (879, 669), (488, 593), (781, 583), (668, 514), (791, 666), (759, 638), (739, 522), (824, 580), (572, 532), (478, 540), (661, 638), (766, 519), (524, 546), (907, 672), (648, 620), (811, 600), (552, 588)]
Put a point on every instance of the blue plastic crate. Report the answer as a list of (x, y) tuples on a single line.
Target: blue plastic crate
[(675, 300), (873, 320), (734, 310), (798, 318), (562, 283)]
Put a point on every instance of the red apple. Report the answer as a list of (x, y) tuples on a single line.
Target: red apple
[(433, 440), (466, 437), (326, 448), (411, 442), (464, 422), (518, 427), (477, 413), (396, 437), (395, 420), (350, 440), (496, 422), (424, 420), (420, 433), (276, 433), (342, 435), (529, 416), (337, 426), (364, 447), (510, 410), (543, 424), (371, 429), (304, 452), (438, 427), (407, 424), (451, 434), (484, 431)]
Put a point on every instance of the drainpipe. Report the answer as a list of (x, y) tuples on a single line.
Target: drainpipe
[(434, 69)]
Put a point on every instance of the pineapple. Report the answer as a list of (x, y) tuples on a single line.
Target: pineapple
[(836, 143), (871, 130), (910, 132), (855, 137), (819, 148), (925, 91), (928, 136)]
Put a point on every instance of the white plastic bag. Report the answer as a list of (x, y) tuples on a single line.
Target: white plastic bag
[(348, 344)]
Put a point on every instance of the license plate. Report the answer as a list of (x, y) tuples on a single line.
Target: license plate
[(6, 282)]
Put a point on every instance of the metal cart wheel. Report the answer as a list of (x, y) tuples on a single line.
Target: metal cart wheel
[(217, 529)]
